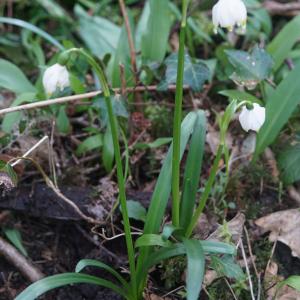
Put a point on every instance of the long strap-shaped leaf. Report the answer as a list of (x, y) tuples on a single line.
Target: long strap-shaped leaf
[(33, 28), (162, 191), (284, 41), (280, 105), (195, 269), (193, 170), (209, 247), (44, 285), (98, 264)]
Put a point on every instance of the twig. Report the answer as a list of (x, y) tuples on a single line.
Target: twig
[(247, 269), (123, 79), (60, 100), (106, 238), (19, 261), (230, 288), (294, 194), (253, 262), (27, 153), (130, 39), (98, 244), (58, 193), (276, 8)]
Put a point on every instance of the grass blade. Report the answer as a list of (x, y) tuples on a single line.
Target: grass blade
[(98, 264), (193, 170), (44, 285), (195, 269), (284, 41), (280, 105), (32, 28)]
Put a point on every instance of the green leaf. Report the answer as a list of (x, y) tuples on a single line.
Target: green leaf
[(280, 105), (90, 143), (250, 68), (284, 41), (99, 34), (154, 41), (195, 74), (49, 283), (82, 264), (62, 121), (240, 96), (289, 162), (55, 10), (136, 210), (13, 79), (193, 170), (155, 144), (11, 120), (108, 150), (152, 240), (14, 236), (209, 247), (195, 268), (162, 189), (8, 169), (213, 247), (32, 28), (122, 57), (226, 266), (292, 281), (118, 107), (142, 26), (168, 230)]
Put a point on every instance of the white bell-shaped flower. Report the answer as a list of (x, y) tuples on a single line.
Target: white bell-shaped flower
[(252, 119), (55, 77), (229, 13)]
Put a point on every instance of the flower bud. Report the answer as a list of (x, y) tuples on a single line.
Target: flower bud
[(228, 14), (252, 119), (55, 77)]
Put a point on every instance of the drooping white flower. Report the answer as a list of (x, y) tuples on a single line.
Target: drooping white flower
[(229, 13), (252, 119), (55, 77)]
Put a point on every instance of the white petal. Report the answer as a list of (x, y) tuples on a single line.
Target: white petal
[(252, 119), (56, 76), (228, 13)]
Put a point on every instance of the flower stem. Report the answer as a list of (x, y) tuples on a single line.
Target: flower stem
[(206, 192), (177, 120), (120, 175)]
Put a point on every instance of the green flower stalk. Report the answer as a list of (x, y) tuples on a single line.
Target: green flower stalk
[(120, 175), (177, 120)]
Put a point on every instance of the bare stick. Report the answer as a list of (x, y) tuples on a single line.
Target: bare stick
[(74, 98), (130, 39), (231, 290), (19, 261), (247, 269), (40, 142), (276, 8)]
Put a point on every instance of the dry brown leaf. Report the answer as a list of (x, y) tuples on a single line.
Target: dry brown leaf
[(213, 140), (203, 227), (234, 226), (284, 226)]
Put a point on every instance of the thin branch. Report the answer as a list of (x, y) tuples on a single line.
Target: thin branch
[(130, 39), (247, 269), (20, 261), (27, 153), (61, 100), (276, 8)]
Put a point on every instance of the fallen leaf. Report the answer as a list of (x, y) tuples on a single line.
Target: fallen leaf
[(234, 227), (284, 226)]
